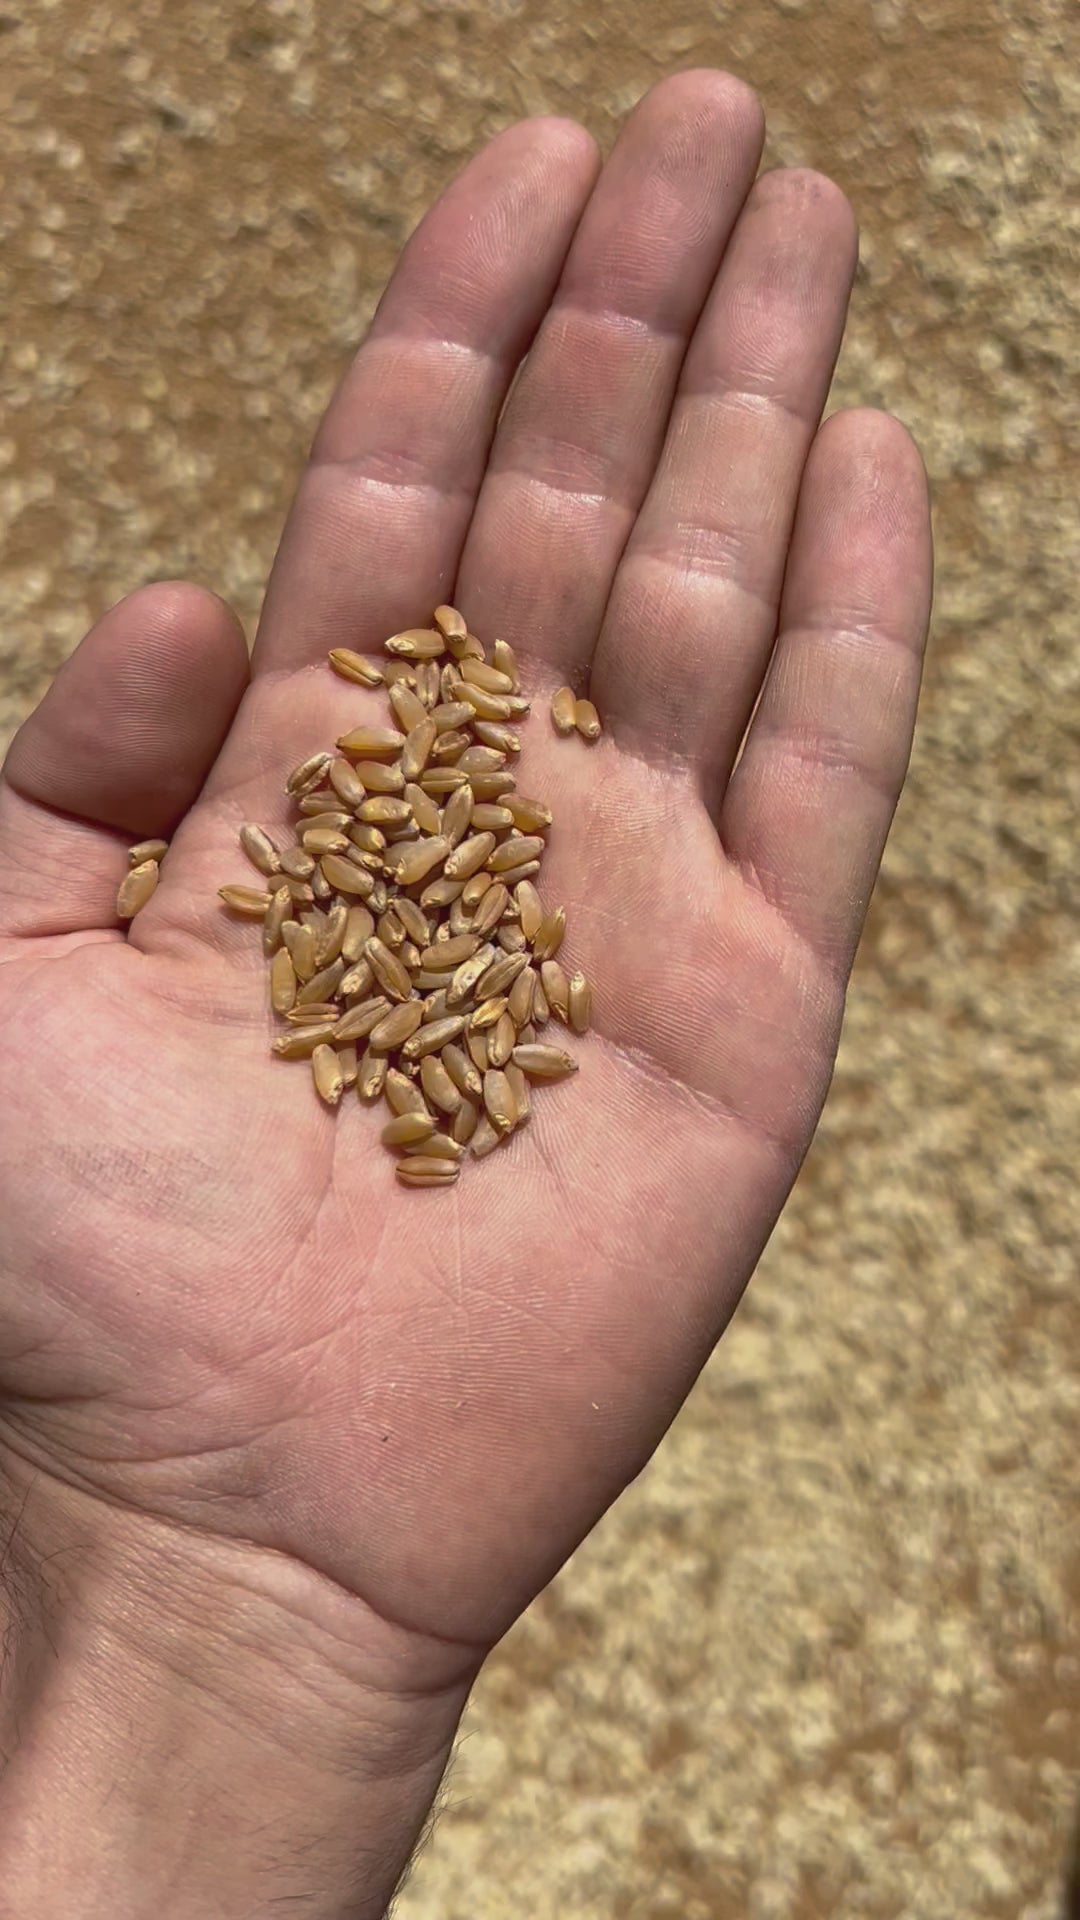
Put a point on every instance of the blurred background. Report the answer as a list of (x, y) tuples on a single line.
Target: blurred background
[(824, 1658)]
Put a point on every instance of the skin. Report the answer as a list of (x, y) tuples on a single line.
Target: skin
[(224, 1323)]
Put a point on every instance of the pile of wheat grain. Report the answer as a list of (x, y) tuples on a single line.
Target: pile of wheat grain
[(410, 952)]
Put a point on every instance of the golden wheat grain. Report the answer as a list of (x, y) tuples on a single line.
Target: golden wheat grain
[(138, 885), (371, 1077), (407, 1129), (544, 1063), (327, 1075), (562, 710), (145, 850)]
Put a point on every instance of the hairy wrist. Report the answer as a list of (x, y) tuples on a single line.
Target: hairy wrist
[(195, 1728)]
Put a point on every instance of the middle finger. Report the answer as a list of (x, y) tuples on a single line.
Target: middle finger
[(582, 430)]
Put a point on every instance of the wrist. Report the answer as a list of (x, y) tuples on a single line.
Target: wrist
[(198, 1728)]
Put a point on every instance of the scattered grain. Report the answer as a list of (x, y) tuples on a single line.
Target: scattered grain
[(544, 1063), (260, 849), (145, 850), (562, 710), (138, 885)]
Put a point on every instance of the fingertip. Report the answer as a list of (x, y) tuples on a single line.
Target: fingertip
[(870, 474), (564, 138), (128, 730), (710, 93), (179, 624)]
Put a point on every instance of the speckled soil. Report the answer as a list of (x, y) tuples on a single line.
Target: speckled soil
[(824, 1659)]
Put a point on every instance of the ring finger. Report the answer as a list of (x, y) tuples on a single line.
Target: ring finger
[(692, 617)]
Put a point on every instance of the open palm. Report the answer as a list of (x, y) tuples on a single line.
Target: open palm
[(219, 1309)]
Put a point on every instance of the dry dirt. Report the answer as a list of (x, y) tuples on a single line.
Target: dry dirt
[(824, 1659)]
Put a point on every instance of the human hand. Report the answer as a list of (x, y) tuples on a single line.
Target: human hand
[(229, 1339)]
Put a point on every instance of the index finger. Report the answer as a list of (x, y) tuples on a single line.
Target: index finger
[(374, 533)]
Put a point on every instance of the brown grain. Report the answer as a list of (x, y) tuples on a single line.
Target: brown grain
[(492, 906), (487, 1013), (519, 1087), (463, 1125), (392, 976), (425, 812), (549, 934), (450, 622), (282, 981), (437, 1084), (447, 955), (259, 848), (492, 785), (586, 720), (484, 1139), (504, 658), (372, 743), (501, 974), (379, 776), (487, 817), (515, 851), (480, 673), (353, 666), (520, 1003), (396, 1026), (462, 1072), (319, 840), (556, 988), (413, 861), (544, 1063), (371, 1078), (327, 1075), (485, 706), (440, 780), (137, 886), (407, 1129), (145, 850), (346, 783), (309, 774), (499, 1100), (403, 1095), (330, 941), (409, 709), (343, 876), (297, 863), (579, 1000), (358, 1022), (477, 851), (431, 1038), (384, 810), (502, 1040), (562, 710), (440, 1146), (457, 815), (301, 1042), (450, 715), (300, 942), (416, 643), (427, 1173), (276, 915), (359, 981), (323, 984)]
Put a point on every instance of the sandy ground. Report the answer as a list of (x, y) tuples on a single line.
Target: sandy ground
[(824, 1659)]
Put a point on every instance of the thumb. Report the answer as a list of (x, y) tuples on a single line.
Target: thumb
[(117, 751)]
